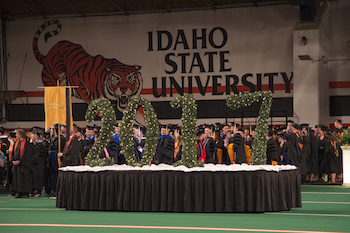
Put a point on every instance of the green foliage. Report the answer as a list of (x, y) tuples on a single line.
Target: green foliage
[(241, 100), (108, 118), (344, 138), (126, 132), (189, 120)]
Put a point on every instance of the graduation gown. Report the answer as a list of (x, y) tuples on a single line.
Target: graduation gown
[(111, 149), (209, 145), (238, 145), (293, 150), (38, 165), (321, 141), (71, 153), (165, 150), (86, 145), (220, 152), (177, 151), (334, 155), (22, 181), (311, 153), (272, 151), (139, 143)]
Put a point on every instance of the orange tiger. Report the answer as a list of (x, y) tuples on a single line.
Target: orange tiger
[(96, 77)]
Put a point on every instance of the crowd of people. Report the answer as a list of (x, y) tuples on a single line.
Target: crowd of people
[(29, 161)]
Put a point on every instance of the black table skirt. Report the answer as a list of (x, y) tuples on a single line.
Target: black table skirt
[(174, 191)]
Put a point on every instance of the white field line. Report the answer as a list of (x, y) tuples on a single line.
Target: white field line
[(159, 227), (325, 202), (302, 214), (325, 193)]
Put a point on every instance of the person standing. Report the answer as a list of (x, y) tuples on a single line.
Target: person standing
[(177, 145), (238, 147), (219, 148), (209, 145), (334, 155), (22, 161), (38, 160), (165, 148), (70, 154)]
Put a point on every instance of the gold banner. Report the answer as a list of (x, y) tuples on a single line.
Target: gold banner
[(55, 107)]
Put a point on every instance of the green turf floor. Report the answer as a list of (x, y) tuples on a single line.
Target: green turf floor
[(326, 208)]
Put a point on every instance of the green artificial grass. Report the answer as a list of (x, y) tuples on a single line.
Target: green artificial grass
[(322, 216)]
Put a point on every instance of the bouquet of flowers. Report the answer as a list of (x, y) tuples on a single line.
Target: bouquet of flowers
[(343, 139)]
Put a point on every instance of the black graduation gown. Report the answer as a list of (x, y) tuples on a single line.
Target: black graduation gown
[(293, 150), (85, 145), (38, 165), (321, 155), (220, 145), (333, 162), (71, 153), (139, 143), (209, 145), (284, 153), (311, 152), (165, 151), (272, 151), (22, 181), (238, 145), (112, 150)]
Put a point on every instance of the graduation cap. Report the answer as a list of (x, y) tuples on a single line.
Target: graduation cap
[(77, 129), (339, 121), (240, 129), (218, 124), (281, 134), (97, 127), (88, 127), (278, 128), (199, 133), (270, 133), (304, 125), (290, 121), (296, 126), (217, 128), (37, 130), (200, 127), (322, 127), (2, 129), (178, 128), (12, 134)]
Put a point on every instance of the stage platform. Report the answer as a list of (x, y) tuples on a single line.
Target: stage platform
[(214, 188)]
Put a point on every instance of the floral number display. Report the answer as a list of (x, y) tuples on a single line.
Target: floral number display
[(259, 145), (126, 132), (107, 113), (189, 119)]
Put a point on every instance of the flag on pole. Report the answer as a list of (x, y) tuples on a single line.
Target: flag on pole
[(56, 107)]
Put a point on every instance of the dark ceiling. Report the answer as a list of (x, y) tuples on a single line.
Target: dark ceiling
[(22, 9)]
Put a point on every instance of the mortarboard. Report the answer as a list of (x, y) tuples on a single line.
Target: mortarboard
[(12, 134), (199, 133), (88, 127), (37, 130), (296, 126), (304, 125)]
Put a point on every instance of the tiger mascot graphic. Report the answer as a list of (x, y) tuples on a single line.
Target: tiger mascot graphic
[(96, 77)]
